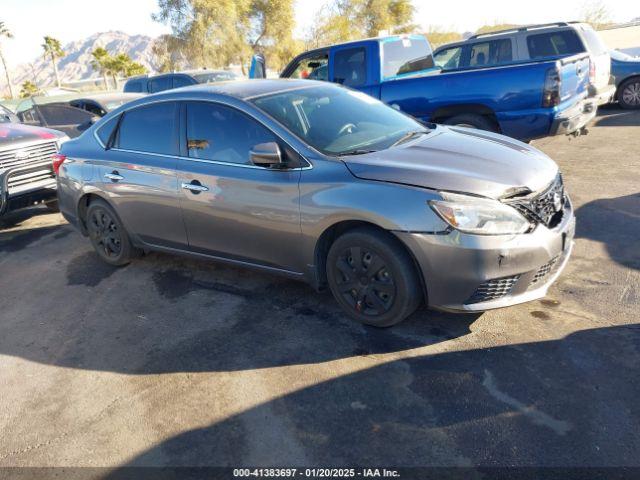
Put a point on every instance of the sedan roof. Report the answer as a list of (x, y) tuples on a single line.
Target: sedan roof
[(244, 89)]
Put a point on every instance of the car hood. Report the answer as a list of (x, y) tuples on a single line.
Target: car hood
[(14, 133), (459, 160)]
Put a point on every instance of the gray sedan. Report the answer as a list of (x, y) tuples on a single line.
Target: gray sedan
[(325, 184)]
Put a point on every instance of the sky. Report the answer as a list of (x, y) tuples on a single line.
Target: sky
[(69, 20)]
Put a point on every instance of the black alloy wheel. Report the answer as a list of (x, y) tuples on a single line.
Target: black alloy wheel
[(108, 235), (372, 277)]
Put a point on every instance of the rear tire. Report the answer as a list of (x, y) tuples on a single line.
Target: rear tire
[(472, 120), (629, 94), (108, 236), (373, 278)]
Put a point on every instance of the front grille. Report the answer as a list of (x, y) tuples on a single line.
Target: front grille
[(37, 155), (545, 208), (544, 271), (493, 289)]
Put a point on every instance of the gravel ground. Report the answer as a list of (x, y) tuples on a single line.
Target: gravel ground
[(170, 361)]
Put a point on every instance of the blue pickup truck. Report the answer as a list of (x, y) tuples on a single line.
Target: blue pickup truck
[(522, 100)]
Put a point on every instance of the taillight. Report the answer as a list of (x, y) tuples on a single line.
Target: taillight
[(592, 71), (58, 160), (551, 92)]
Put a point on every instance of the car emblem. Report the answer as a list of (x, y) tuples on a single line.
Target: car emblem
[(22, 155), (557, 201)]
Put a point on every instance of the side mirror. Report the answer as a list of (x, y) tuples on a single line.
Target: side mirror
[(266, 155)]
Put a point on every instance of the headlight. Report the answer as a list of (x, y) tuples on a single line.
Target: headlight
[(481, 216)]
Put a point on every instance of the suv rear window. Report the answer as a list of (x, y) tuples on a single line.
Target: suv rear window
[(554, 44), (405, 55)]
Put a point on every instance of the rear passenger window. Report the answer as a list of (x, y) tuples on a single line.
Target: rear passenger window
[(151, 128), (554, 44), (350, 67), (106, 129), (216, 132), (160, 84), (494, 52)]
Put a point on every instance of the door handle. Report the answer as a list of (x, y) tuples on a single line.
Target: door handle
[(113, 176), (195, 187)]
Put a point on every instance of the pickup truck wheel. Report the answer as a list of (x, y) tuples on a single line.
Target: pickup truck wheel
[(373, 278), (629, 94), (107, 234), (471, 120)]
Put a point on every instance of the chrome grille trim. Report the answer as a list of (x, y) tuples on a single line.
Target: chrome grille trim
[(36, 153)]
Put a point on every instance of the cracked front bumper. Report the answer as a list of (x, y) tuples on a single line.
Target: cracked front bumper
[(505, 269)]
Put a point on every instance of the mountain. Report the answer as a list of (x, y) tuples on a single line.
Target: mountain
[(76, 65)]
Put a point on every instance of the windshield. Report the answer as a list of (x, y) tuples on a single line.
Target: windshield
[(338, 121), (214, 77), (401, 56)]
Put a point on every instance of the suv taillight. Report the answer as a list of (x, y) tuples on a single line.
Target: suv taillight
[(551, 92), (592, 71), (57, 160)]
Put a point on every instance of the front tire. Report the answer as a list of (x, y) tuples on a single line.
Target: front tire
[(373, 278), (629, 94), (107, 234)]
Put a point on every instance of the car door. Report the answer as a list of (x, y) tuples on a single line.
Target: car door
[(139, 174), (233, 208)]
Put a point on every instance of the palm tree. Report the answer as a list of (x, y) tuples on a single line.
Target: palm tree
[(4, 32), (29, 89), (53, 49), (100, 62)]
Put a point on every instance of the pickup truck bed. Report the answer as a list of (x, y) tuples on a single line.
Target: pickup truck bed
[(522, 100)]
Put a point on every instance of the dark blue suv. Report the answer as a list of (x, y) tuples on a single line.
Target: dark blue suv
[(167, 81)]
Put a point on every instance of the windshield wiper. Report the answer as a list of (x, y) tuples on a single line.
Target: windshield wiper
[(357, 151), (408, 136)]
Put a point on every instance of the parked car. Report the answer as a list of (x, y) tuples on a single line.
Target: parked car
[(522, 100), (325, 184), (166, 81), (7, 116), (534, 43), (54, 113), (626, 72), (26, 170), (99, 104)]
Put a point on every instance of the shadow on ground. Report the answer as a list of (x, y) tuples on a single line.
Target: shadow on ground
[(614, 116), (166, 314), (566, 402), (615, 222)]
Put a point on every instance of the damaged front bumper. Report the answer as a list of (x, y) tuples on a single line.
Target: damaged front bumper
[(474, 273)]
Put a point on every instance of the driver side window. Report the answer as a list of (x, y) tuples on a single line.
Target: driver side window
[(313, 68)]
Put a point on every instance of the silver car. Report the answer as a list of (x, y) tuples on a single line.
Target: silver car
[(325, 184)]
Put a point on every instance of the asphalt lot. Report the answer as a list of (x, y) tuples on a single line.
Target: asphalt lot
[(170, 361)]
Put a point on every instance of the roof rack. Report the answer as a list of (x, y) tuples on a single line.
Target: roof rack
[(524, 28)]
